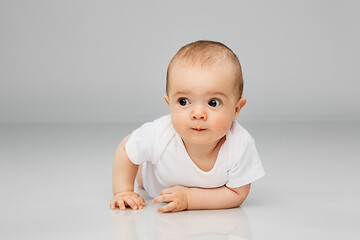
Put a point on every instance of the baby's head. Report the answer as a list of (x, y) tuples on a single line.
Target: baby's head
[(204, 91), (205, 54)]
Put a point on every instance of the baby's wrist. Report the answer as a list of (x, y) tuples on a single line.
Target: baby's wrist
[(188, 197), (123, 192)]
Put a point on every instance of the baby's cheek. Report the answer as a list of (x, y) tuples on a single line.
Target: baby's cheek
[(177, 121), (222, 125)]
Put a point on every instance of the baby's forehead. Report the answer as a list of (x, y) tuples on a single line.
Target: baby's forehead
[(211, 77), (202, 63), (225, 68)]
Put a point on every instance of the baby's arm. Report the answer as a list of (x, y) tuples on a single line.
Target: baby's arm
[(124, 173), (181, 198), (217, 198)]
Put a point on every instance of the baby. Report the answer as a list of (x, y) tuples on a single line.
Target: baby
[(199, 156)]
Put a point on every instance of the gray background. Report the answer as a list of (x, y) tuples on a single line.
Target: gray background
[(77, 76), (107, 60)]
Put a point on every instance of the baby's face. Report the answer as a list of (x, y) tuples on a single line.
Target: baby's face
[(203, 102)]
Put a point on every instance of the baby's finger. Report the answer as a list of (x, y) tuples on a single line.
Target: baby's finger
[(166, 191), (168, 207), (121, 204), (163, 198), (143, 202), (131, 203), (113, 204), (137, 202)]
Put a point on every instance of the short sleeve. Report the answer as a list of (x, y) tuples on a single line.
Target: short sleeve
[(246, 168), (147, 143), (140, 145)]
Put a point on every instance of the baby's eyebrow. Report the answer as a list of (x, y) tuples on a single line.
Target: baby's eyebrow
[(209, 93), (218, 93), (180, 93)]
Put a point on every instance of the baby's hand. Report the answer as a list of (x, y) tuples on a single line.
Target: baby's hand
[(177, 198), (129, 198)]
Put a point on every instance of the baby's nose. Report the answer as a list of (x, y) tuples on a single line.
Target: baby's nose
[(199, 115)]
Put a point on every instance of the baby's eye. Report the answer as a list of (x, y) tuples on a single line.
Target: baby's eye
[(214, 102), (183, 101)]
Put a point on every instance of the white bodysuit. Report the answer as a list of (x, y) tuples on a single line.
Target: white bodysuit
[(166, 162)]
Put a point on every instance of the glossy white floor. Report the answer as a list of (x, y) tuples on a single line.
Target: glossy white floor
[(56, 184)]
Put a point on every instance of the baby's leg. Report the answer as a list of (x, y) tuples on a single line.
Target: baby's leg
[(139, 178)]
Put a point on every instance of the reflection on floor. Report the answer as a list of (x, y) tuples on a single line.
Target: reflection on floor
[(149, 224), (56, 184)]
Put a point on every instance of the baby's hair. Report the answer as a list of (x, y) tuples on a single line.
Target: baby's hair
[(204, 53)]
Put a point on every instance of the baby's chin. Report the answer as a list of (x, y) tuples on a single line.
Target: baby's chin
[(200, 140)]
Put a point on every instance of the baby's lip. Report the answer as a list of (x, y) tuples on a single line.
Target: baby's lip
[(198, 129)]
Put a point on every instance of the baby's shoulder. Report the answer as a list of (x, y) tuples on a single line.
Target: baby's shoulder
[(151, 138), (238, 136), (238, 141), (164, 133), (154, 129), (162, 122)]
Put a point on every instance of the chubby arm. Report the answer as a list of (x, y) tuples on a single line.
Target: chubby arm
[(181, 198), (123, 178), (217, 198), (124, 171)]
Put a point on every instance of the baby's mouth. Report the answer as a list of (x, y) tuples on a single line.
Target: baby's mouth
[(199, 129)]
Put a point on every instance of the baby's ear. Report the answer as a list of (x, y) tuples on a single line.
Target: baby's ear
[(239, 105), (166, 97)]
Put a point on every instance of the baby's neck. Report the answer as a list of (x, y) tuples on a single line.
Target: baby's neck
[(200, 151)]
